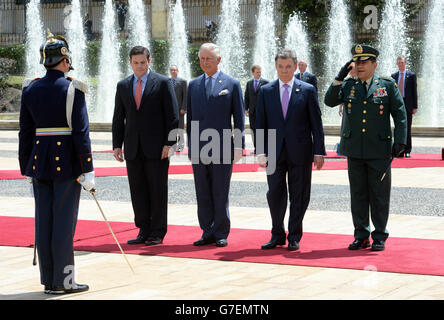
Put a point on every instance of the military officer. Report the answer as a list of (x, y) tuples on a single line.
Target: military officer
[(55, 152), (366, 139)]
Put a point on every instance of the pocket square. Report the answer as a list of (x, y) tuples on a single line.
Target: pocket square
[(223, 92)]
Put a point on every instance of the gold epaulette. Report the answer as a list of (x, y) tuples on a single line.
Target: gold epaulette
[(82, 86), (28, 81)]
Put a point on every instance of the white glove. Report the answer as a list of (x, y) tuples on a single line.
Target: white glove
[(87, 180), (31, 187)]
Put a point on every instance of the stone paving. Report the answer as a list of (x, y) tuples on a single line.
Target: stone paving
[(417, 211)]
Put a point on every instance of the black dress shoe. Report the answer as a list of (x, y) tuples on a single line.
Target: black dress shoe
[(407, 155), (293, 245), (378, 245), (138, 240), (273, 243), (153, 241), (204, 241), (221, 243), (359, 244), (76, 288)]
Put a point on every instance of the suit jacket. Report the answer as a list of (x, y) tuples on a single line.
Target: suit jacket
[(152, 123), (180, 89), (302, 128), (366, 132), (215, 113), (251, 96), (410, 90), (309, 78), (53, 156)]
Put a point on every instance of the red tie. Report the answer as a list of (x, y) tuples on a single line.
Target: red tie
[(401, 84), (138, 95)]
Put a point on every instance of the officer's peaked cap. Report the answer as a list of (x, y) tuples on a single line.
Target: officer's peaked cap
[(362, 52)]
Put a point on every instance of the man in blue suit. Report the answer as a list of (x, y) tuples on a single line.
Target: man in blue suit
[(289, 107), (213, 99)]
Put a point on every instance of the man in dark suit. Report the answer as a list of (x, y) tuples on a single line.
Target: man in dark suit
[(145, 112), (305, 75), (406, 82), (180, 89), (290, 108), (214, 98), (251, 94), (55, 153)]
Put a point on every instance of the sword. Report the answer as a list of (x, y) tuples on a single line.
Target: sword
[(388, 167), (93, 191)]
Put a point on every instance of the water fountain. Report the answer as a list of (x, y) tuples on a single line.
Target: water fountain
[(234, 61), (137, 26), (178, 53), (297, 39), (265, 47), (109, 68), (77, 45), (339, 42), (393, 38), (34, 39), (431, 94), (230, 41)]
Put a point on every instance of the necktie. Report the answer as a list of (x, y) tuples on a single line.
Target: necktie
[(365, 86), (285, 100), (138, 94), (208, 87), (255, 85), (174, 82), (401, 83)]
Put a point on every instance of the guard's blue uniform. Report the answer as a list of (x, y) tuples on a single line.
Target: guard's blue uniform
[(54, 155)]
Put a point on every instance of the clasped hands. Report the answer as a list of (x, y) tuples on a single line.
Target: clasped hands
[(167, 152), (317, 160)]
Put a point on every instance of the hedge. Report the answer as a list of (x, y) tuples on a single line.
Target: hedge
[(159, 54), (159, 51)]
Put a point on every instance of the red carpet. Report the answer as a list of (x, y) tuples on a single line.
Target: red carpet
[(402, 255), (416, 161)]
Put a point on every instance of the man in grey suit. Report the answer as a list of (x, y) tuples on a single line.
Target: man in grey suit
[(406, 82), (180, 88), (306, 76)]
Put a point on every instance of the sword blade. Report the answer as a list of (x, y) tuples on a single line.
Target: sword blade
[(111, 230)]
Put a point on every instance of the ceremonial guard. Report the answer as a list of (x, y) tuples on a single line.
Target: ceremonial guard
[(366, 140), (54, 153)]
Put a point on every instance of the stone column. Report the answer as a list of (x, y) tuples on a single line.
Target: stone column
[(159, 19)]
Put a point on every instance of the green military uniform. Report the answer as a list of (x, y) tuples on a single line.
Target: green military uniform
[(366, 139)]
